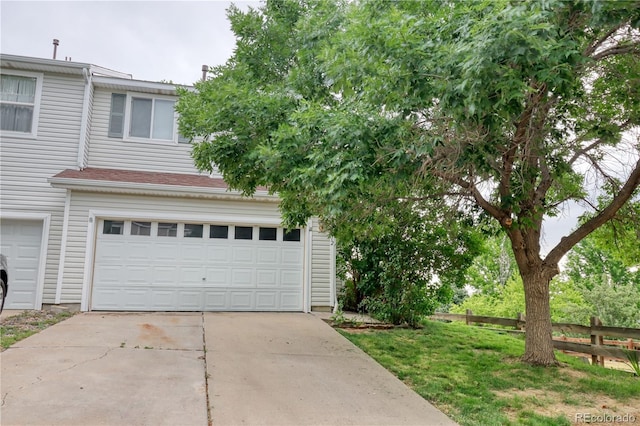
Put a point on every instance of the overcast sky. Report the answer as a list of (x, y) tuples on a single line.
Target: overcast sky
[(153, 40)]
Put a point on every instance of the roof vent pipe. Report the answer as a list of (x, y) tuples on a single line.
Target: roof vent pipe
[(56, 42), (205, 70)]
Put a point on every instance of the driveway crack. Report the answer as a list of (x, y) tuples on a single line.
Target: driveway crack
[(88, 360), (206, 373)]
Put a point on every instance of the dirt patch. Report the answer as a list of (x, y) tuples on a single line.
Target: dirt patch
[(589, 409), (17, 327)]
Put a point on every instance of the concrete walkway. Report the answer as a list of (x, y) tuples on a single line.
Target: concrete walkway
[(152, 369)]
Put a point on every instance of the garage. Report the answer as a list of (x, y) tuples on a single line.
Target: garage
[(143, 265), (21, 242)]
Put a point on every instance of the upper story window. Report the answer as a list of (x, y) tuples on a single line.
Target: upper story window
[(20, 102), (138, 117)]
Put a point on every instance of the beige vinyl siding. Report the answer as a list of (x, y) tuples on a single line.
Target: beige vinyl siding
[(117, 153), (27, 163), (320, 268), (145, 206)]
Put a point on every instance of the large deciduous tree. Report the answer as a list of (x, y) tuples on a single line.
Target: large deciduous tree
[(507, 107)]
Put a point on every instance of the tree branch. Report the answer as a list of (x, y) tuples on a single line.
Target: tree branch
[(473, 191), (595, 222), (592, 48), (617, 50)]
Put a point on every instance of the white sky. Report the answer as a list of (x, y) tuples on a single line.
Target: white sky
[(153, 40)]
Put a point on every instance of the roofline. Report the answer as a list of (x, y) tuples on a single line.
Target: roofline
[(131, 84), (48, 64), (138, 188)]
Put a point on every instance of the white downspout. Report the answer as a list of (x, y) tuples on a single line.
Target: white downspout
[(63, 247), (333, 294), (84, 121), (309, 265)]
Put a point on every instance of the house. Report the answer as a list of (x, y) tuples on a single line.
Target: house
[(102, 208)]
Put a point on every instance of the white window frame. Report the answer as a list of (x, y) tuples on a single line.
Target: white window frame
[(127, 119), (36, 104)]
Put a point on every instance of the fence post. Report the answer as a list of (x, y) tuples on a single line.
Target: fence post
[(469, 313), (596, 340), (521, 321)]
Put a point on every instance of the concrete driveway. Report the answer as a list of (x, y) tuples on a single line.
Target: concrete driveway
[(199, 369)]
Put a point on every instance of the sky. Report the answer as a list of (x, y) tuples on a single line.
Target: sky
[(152, 40)]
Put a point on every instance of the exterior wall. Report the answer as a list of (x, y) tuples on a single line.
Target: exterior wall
[(26, 163), (321, 268), (229, 211), (116, 153)]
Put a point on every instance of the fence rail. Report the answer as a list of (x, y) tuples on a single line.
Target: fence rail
[(599, 349)]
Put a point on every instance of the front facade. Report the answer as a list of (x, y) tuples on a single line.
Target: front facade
[(102, 208)]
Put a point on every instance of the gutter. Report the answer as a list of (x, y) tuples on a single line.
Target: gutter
[(137, 188)]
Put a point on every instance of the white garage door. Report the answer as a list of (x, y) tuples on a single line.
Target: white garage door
[(173, 266), (21, 241)]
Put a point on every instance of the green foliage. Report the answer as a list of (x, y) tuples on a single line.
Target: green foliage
[(493, 267), (399, 268), (604, 269), (568, 303), (634, 361)]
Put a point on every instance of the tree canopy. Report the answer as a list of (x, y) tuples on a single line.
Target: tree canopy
[(497, 108)]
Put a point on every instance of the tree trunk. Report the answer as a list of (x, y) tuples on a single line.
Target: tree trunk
[(538, 335)]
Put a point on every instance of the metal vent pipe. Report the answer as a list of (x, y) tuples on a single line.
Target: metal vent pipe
[(56, 42)]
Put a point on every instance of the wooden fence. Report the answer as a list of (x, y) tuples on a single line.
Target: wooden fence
[(599, 348)]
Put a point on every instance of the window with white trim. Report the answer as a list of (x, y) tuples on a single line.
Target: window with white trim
[(20, 102), (144, 118)]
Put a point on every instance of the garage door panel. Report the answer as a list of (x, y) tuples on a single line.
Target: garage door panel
[(166, 275), (107, 299), (109, 275), (164, 299), (217, 255), (193, 252), (191, 275), (267, 278), (241, 300), (266, 300), (138, 274), (134, 272), (267, 255), (166, 249), (290, 301), (190, 300), (291, 256), (289, 278), (217, 276), (215, 300), (136, 299), (140, 252), (243, 255), (111, 251), (242, 277)]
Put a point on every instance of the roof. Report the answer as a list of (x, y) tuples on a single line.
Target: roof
[(101, 77), (148, 183), (30, 63)]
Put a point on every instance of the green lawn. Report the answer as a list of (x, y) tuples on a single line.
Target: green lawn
[(474, 375)]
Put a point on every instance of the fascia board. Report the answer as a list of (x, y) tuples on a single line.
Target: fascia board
[(88, 185)]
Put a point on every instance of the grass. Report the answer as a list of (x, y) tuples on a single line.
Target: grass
[(19, 327), (475, 376)]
